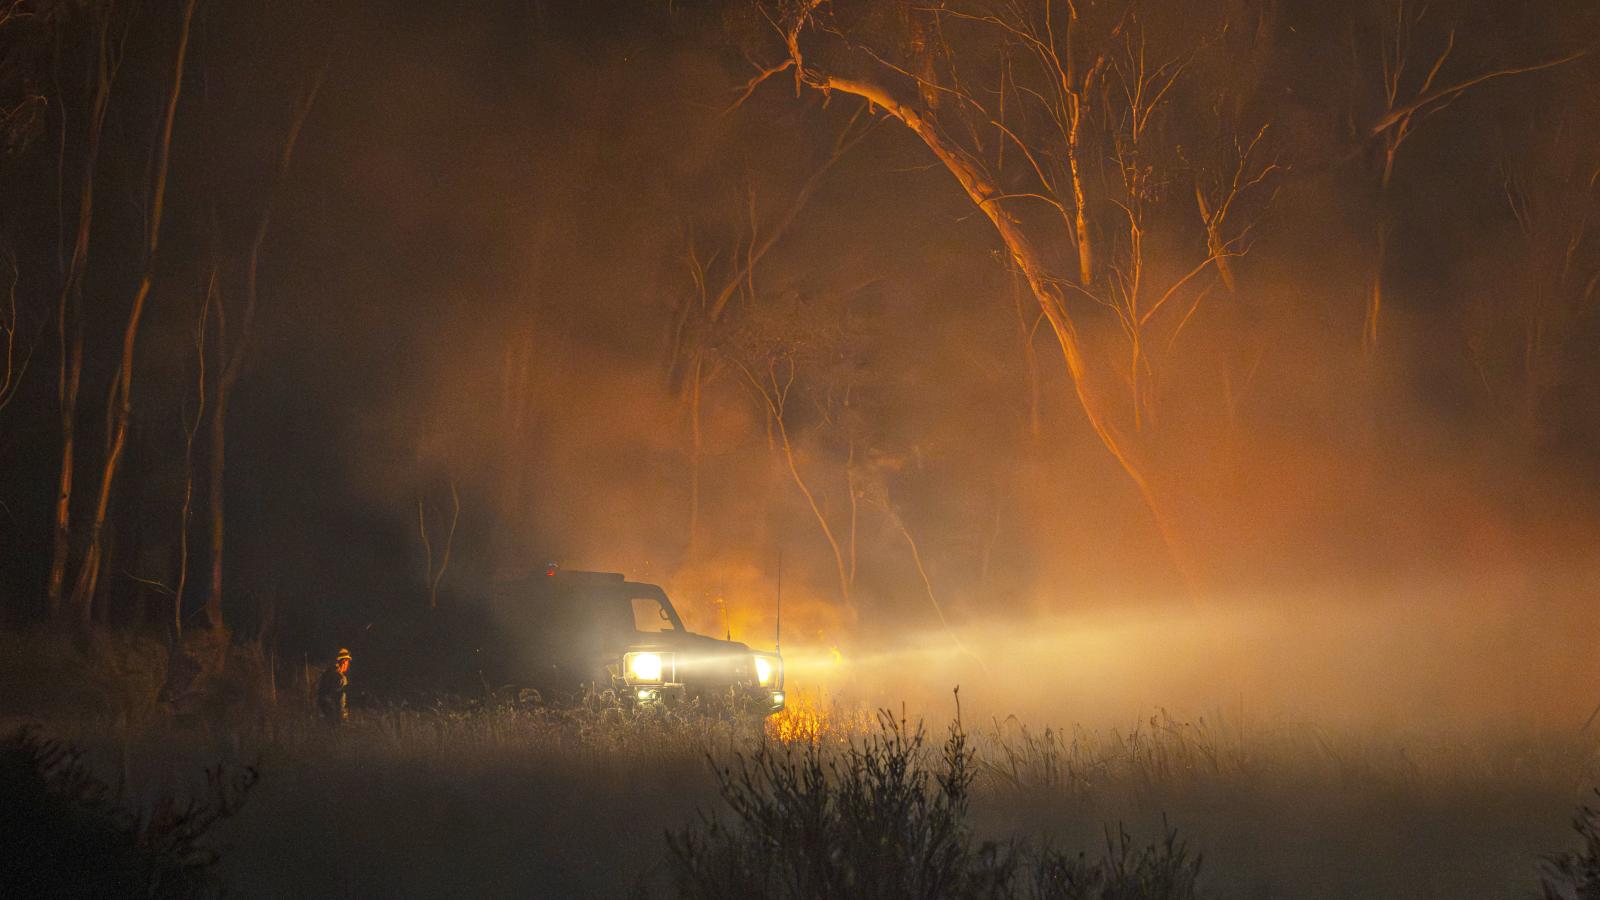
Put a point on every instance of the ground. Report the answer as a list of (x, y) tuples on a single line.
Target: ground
[(505, 802)]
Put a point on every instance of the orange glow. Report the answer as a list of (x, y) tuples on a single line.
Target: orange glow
[(805, 718)]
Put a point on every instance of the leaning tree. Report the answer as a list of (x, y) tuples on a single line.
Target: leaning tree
[(1121, 185)]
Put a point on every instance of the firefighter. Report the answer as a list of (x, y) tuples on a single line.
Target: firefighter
[(331, 688)]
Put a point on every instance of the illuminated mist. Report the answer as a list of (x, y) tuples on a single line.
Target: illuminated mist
[(1209, 390), (492, 276)]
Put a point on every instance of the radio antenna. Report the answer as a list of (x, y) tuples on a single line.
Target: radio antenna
[(777, 626)]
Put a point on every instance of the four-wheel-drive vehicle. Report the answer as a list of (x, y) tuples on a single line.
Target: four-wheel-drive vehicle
[(568, 633)]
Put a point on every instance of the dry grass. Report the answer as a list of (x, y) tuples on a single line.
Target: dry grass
[(1294, 810), (508, 800)]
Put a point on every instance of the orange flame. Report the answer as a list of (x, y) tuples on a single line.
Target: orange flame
[(805, 719)]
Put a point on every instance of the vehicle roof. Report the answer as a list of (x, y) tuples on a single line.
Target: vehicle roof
[(569, 586)]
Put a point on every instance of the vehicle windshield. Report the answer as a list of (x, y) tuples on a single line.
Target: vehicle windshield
[(650, 616)]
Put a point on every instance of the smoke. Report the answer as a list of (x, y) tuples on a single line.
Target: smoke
[(482, 275), (1391, 658)]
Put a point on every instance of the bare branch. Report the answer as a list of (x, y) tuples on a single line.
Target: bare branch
[(1178, 285), (756, 81), (1451, 93)]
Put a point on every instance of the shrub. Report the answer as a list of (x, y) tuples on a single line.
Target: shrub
[(876, 820), (870, 821), (1576, 874), (1163, 871), (66, 833)]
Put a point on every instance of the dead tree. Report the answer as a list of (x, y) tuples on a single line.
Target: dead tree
[(434, 569), (1028, 321), (519, 391), (13, 360), (1015, 100), (1231, 191), (1523, 341), (798, 360), (695, 308), (23, 109), (120, 402), (191, 430), (232, 352), (773, 384), (1413, 86), (718, 280), (69, 302)]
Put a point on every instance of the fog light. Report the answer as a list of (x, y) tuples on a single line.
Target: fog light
[(648, 695), (777, 698)]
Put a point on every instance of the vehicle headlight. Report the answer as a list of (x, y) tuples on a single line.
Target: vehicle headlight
[(645, 666), (769, 670)]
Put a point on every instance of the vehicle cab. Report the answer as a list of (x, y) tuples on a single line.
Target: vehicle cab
[(600, 628)]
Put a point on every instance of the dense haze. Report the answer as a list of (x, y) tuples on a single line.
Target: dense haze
[(476, 281)]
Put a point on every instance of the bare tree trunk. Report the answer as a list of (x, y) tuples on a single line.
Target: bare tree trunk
[(1369, 325), (1380, 257), (11, 371), (435, 576), (855, 507), (811, 500), (1025, 334), (1532, 366), (986, 196), (233, 360), (191, 431), (927, 585), (774, 397), (922, 571), (1095, 412), (70, 376), (848, 138), (449, 543), (1216, 243), (122, 389), (696, 449), (70, 372), (1394, 48), (516, 389), (1405, 108), (698, 316), (217, 495), (1080, 218)]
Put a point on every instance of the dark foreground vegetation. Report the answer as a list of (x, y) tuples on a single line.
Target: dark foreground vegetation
[(877, 818), (128, 797), (67, 833)]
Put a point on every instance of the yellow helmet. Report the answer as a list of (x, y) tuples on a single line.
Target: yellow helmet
[(343, 654)]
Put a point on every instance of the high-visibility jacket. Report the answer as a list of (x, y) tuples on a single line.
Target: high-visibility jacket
[(331, 689)]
